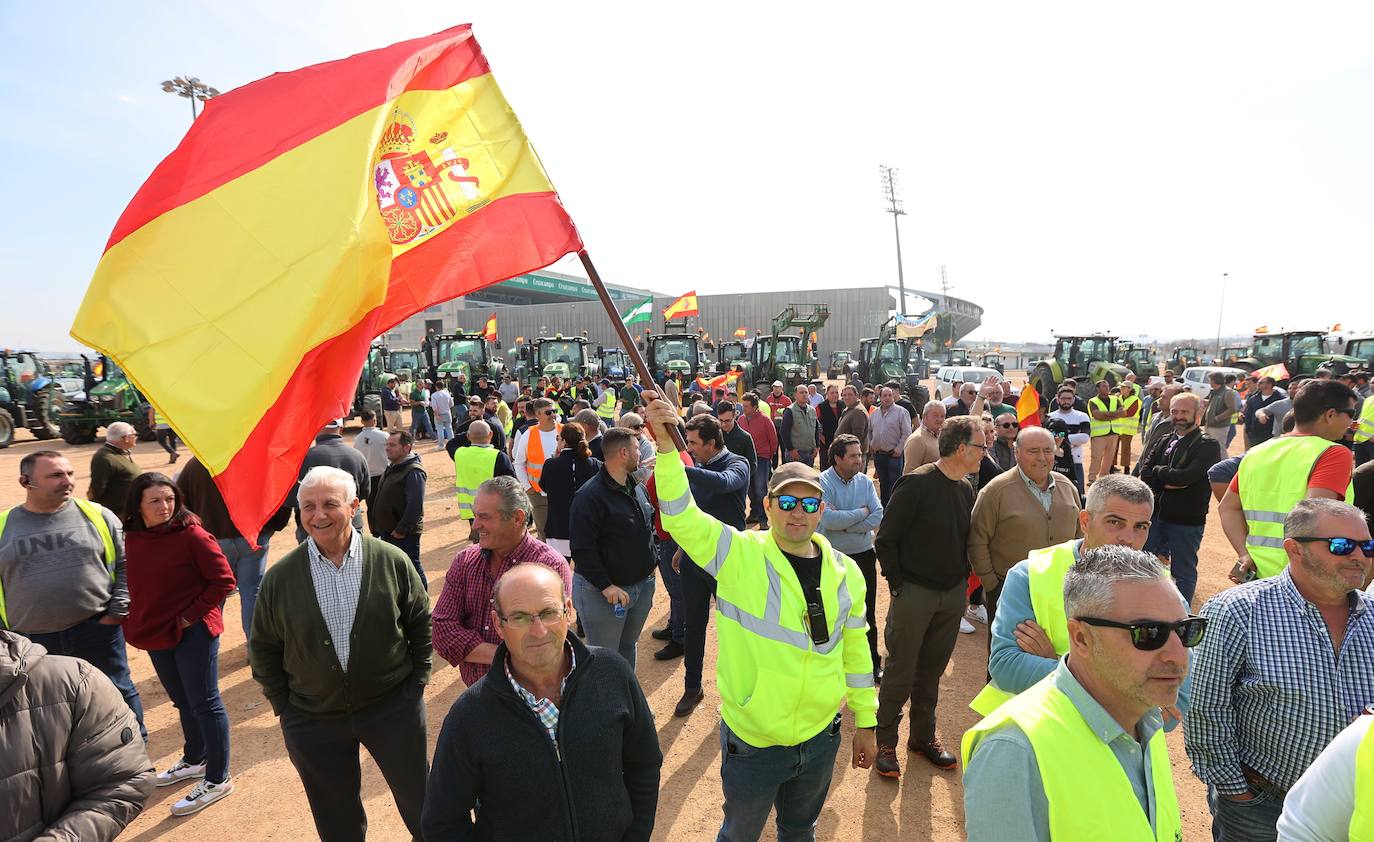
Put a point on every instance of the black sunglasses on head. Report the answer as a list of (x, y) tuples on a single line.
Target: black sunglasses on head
[(1149, 635), (1340, 546)]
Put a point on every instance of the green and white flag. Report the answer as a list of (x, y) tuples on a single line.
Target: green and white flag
[(641, 312)]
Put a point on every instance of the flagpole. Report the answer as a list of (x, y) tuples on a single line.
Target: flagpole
[(625, 339)]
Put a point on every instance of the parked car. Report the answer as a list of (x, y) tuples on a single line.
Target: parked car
[(1196, 379), (963, 373)]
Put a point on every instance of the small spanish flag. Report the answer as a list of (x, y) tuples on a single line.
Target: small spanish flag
[(491, 328), (683, 307), (1028, 407), (741, 332), (301, 216)]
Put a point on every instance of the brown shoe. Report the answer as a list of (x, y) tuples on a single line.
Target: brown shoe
[(886, 763), (935, 753)]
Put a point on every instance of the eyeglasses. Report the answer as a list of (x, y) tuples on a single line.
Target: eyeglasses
[(1008, 425), (1340, 546), (788, 502), (1150, 635), (521, 620), (1348, 410), (549, 412), (979, 446), (636, 426)]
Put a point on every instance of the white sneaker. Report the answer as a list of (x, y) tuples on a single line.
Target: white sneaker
[(965, 627), (180, 771), (978, 613), (201, 796)]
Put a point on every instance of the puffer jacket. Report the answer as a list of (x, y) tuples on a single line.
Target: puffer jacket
[(72, 765)]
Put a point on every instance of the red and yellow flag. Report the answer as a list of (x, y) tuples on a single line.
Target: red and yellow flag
[(301, 216), (491, 328), (683, 307), (1028, 407)]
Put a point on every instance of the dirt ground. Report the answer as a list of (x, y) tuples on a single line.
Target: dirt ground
[(269, 803)]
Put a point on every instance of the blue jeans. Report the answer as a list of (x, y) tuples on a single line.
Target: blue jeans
[(795, 779), (103, 647), (1179, 544), (1255, 820), (758, 489), (888, 469), (410, 545), (444, 423), (672, 583), (189, 672), (419, 422), (598, 617), (248, 566), (806, 457)]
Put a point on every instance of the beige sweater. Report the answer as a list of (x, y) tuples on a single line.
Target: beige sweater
[(1009, 522), (922, 447)]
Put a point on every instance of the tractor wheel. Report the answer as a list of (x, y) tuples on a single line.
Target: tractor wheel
[(920, 396), (75, 433), (1043, 381), (374, 403), (43, 404), (6, 428)]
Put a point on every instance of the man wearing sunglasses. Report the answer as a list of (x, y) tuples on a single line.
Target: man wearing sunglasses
[(536, 445), (1308, 463), (791, 644), (1036, 769), (1288, 662), (1004, 447)]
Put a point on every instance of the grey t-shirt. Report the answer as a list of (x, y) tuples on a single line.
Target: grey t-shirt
[(53, 570)]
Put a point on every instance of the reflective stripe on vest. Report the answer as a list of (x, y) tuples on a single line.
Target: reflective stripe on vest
[(1365, 431), (1102, 428), (1045, 580), (1362, 819), (1127, 426), (472, 466), (534, 453), (1088, 793), (1273, 478), (93, 513)]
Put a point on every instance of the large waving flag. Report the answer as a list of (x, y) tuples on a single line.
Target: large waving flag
[(301, 216), (683, 307)]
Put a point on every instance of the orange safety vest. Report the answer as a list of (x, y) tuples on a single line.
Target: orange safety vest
[(534, 454)]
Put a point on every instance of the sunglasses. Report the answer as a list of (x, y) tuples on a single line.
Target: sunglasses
[(1349, 410), (788, 502), (1009, 426), (549, 412), (1341, 546), (636, 426), (1149, 636)]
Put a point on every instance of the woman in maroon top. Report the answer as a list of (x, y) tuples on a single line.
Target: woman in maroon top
[(178, 578)]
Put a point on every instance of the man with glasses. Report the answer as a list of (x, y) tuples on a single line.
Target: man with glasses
[(1310, 462), (923, 552), (536, 445), (550, 711), (1003, 451), (1288, 662), (1037, 764)]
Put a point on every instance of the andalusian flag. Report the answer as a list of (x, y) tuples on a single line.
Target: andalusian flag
[(683, 307), (490, 332), (641, 312), (301, 216)]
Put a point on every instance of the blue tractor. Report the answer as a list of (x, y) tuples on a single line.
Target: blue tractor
[(28, 396)]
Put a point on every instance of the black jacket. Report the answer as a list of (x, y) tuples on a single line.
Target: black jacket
[(330, 449), (612, 536), (493, 755), (1187, 467), (563, 476), (740, 443), (721, 487), (400, 502)]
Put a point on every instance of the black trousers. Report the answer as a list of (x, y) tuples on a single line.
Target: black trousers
[(325, 754), (697, 589), (922, 627), (868, 564)]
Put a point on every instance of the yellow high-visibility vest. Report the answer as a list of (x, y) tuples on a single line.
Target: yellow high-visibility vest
[(1127, 426), (93, 513), (1103, 428), (1365, 431), (1273, 478), (1362, 820), (472, 466)]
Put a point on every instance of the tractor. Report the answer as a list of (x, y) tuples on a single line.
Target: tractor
[(1362, 347), (380, 366), (614, 364), (110, 397), (28, 396), (667, 354), (730, 354), (995, 361), (1184, 356), (887, 359), (554, 356), (842, 364), (1231, 354), (1082, 359), (1302, 352), (785, 356), (1138, 359), (467, 354), (958, 356)]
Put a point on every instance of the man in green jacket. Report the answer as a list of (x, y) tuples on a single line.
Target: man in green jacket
[(113, 468), (792, 644), (341, 647)]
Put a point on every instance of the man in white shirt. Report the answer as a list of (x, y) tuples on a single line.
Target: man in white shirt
[(535, 445), (1074, 423), (442, 404), (371, 443), (1320, 805)]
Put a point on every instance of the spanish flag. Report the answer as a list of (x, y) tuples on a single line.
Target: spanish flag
[(301, 216), (1028, 407), (683, 307), (491, 328)]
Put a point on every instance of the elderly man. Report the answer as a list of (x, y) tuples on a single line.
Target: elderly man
[(1258, 719), (889, 426), (397, 513), (591, 425), (535, 446), (599, 781), (852, 513), (113, 468), (463, 632), (1019, 511), (923, 446), (1036, 769), (341, 647), (330, 449)]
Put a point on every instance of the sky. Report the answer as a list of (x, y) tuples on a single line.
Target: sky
[(1073, 167)]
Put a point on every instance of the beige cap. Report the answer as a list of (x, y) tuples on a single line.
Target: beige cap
[(795, 472)]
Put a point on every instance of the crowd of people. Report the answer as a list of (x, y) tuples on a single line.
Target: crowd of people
[(777, 514)]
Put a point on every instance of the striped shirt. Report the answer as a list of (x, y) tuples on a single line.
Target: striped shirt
[(336, 590), (1269, 690), (544, 710)]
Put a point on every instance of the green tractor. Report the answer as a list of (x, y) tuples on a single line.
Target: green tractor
[(1082, 359), (1232, 354), (842, 364), (553, 356), (730, 354), (110, 397), (1302, 352), (995, 361), (28, 396), (1184, 357), (467, 354), (670, 353), (788, 357), (958, 356), (1363, 348), (1138, 359), (887, 359)]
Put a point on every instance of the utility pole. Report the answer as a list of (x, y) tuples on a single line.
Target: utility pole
[(1220, 309), (191, 88), (892, 195)]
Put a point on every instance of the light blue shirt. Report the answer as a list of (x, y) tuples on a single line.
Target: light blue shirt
[(1046, 497), (845, 524)]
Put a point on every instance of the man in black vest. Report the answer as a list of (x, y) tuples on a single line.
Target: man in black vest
[(397, 514)]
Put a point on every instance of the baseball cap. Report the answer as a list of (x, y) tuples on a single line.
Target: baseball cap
[(334, 422), (795, 472), (777, 382)]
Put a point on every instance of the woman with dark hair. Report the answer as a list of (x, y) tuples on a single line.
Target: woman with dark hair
[(562, 476), (178, 578)]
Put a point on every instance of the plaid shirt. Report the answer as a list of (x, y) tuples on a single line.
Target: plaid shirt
[(336, 590), (544, 710), (462, 614), (1269, 692)]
